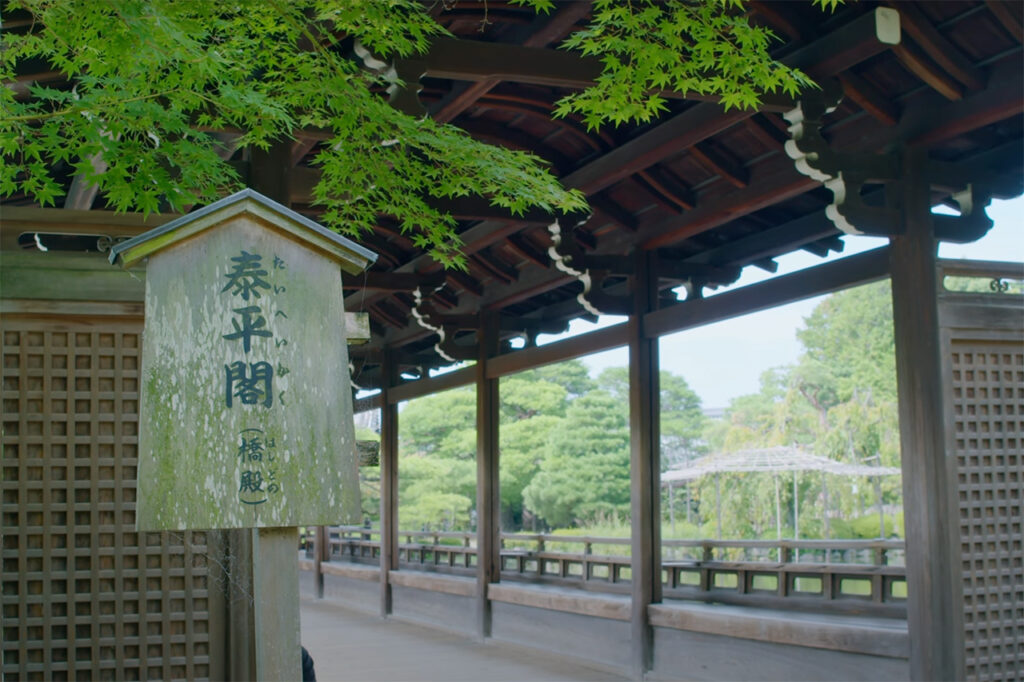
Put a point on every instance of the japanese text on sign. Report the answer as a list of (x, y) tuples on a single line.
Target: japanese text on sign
[(250, 383)]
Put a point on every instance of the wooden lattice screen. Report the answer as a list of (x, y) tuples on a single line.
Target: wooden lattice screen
[(84, 595), (984, 349)]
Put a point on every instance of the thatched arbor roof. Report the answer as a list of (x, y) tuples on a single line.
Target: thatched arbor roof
[(772, 460)]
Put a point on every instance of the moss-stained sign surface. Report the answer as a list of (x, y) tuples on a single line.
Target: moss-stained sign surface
[(246, 411)]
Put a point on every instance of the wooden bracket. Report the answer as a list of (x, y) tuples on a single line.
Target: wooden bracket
[(845, 174), (569, 257), (404, 77)]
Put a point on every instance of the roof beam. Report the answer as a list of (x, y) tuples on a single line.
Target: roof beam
[(869, 98), (774, 181), (715, 161), (864, 37), (1008, 18), (471, 60), (771, 242), (929, 121), (546, 31), (927, 70), (373, 280), (821, 279), (935, 45)]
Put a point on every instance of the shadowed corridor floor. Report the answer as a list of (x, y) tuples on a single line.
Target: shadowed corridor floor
[(349, 646)]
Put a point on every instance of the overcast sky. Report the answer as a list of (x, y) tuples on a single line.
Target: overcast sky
[(724, 360)]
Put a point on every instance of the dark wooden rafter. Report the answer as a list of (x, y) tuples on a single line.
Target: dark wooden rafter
[(922, 66), (766, 132), (778, 18), (869, 98), (464, 282), (495, 267), (769, 243), (22, 84), (658, 193), (443, 298), (866, 36), (667, 184), (766, 264), (504, 136), (82, 193), (946, 55), (1001, 99), (823, 247), (671, 137), (603, 205), (389, 281), (462, 97), (526, 107), (773, 181), (521, 245), (388, 315), (717, 161), (386, 252), (301, 146), (1008, 15), (777, 179), (544, 32)]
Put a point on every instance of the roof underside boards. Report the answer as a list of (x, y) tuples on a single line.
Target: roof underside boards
[(712, 191)]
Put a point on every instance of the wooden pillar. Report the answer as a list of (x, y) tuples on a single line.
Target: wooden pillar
[(488, 497), (645, 467), (275, 603), (239, 624), (321, 553), (934, 586), (268, 174), (388, 482)]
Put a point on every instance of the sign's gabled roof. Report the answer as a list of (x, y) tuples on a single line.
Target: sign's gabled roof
[(352, 257)]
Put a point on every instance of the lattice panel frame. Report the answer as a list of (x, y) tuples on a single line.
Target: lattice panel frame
[(986, 375), (83, 595)]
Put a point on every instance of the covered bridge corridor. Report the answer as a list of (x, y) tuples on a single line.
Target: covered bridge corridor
[(922, 105)]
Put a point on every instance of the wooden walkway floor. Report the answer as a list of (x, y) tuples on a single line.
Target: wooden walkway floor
[(350, 646)]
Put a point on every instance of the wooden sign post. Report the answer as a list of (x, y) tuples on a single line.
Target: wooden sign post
[(246, 408)]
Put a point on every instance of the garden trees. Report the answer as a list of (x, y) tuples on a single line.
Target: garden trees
[(148, 81), (682, 421), (838, 400), (564, 448)]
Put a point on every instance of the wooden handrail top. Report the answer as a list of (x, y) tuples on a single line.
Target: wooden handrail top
[(789, 544), (844, 569), (419, 546), (787, 567), (579, 539), (956, 267), (589, 558), (588, 539), (436, 534)]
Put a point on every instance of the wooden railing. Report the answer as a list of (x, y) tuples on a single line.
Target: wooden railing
[(864, 576)]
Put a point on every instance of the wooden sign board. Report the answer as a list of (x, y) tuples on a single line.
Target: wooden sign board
[(246, 408)]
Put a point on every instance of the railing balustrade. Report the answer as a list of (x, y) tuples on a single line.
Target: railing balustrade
[(865, 576)]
